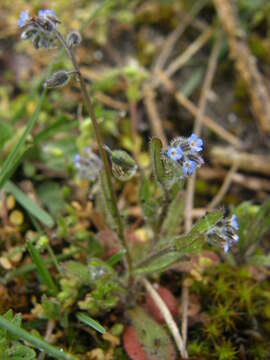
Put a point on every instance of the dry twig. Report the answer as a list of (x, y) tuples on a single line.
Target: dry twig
[(249, 182), (175, 35), (224, 188), (151, 108), (245, 62), (255, 163), (206, 120), (184, 57)]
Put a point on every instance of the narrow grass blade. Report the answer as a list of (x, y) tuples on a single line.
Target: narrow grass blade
[(11, 158), (42, 269), (113, 260), (25, 269), (23, 335), (28, 204), (85, 319)]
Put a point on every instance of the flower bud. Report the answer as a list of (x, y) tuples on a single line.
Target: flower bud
[(73, 38), (29, 33), (123, 166), (58, 79)]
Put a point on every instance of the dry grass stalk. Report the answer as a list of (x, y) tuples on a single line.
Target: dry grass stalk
[(187, 104), (249, 182), (245, 63), (255, 163), (153, 114)]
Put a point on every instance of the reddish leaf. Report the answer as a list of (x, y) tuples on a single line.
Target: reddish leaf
[(132, 345), (108, 239), (169, 300)]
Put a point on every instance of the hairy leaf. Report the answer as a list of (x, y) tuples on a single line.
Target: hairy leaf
[(154, 340), (174, 216), (158, 165), (148, 204)]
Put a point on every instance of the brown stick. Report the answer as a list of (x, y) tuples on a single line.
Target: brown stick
[(248, 182), (247, 162), (245, 63), (187, 104), (156, 123), (223, 189), (171, 40), (184, 57)]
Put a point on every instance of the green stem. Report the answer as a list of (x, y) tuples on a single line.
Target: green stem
[(107, 169)]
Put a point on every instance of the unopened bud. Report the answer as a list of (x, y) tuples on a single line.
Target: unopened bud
[(58, 79), (73, 38), (123, 165)]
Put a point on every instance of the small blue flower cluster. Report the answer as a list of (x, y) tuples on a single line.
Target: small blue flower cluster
[(185, 152), (39, 29), (24, 17), (226, 232), (88, 165)]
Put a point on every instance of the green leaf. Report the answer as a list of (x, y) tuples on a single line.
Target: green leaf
[(20, 352), (78, 271), (11, 158), (174, 216), (173, 249), (51, 195), (106, 201), (195, 237), (160, 263), (253, 223), (87, 320), (28, 204), (41, 267), (33, 340), (153, 338), (158, 165), (148, 203), (260, 223), (113, 260), (259, 260), (5, 133)]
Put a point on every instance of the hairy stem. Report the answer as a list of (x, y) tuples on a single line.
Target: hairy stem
[(107, 169)]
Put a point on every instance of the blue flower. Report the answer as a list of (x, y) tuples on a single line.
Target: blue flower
[(234, 222), (189, 166), (195, 143), (24, 16), (226, 247), (229, 242), (76, 161), (175, 153), (46, 12)]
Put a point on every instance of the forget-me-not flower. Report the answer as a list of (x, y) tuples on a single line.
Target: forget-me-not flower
[(175, 153), (88, 165), (234, 222), (24, 16), (46, 12), (225, 231), (195, 143), (189, 167)]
